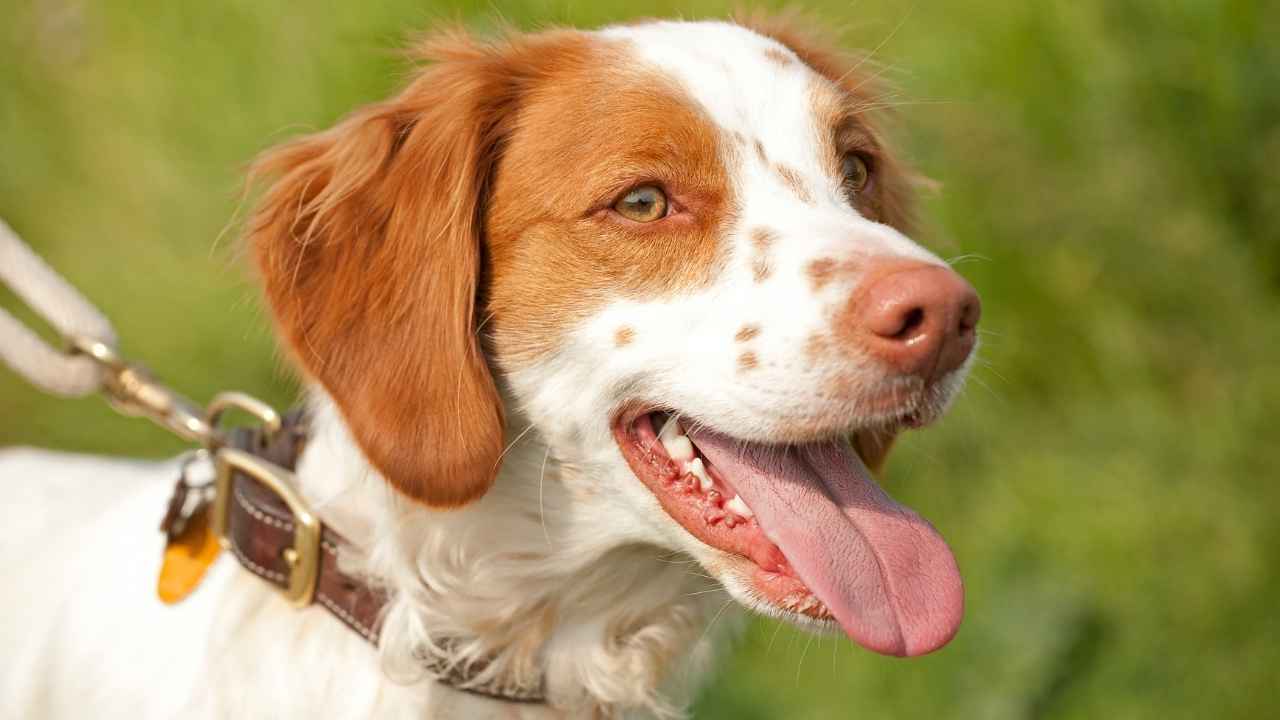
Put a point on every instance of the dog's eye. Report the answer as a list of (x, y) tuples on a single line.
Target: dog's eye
[(643, 204), (856, 173)]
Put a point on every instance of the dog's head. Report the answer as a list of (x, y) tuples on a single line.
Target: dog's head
[(679, 249)]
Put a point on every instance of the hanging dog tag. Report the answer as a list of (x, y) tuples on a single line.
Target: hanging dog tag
[(187, 558), (191, 546)]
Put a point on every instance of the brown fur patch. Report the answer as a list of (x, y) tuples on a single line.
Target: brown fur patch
[(762, 241), (823, 271), (623, 336), (761, 270), (794, 183), (590, 127), (748, 361), (820, 272), (815, 347), (775, 55), (746, 332)]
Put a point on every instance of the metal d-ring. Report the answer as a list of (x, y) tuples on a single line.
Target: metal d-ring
[(262, 412)]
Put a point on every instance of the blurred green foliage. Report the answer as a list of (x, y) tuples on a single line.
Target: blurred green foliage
[(1107, 169)]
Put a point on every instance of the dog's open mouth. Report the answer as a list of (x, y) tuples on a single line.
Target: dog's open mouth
[(826, 540)]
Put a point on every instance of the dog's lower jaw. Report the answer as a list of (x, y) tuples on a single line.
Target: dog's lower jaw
[(526, 579)]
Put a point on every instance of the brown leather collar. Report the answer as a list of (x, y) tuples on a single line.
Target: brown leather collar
[(260, 531)]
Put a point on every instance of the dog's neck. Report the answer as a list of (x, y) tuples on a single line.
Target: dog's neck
[(536, 582)]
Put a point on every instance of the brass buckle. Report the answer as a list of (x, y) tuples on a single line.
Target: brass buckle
[(304, 557)]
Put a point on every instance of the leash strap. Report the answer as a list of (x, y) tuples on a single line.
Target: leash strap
[(54, 300)]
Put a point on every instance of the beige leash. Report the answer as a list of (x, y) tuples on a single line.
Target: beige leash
[(53, 298)]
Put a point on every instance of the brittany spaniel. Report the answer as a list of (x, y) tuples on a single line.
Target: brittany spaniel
[(576, 309)]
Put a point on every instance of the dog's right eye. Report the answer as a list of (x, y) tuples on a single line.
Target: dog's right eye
[(643, 204), (857, 173)]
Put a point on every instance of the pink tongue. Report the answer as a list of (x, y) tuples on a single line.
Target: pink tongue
[(883, 571)]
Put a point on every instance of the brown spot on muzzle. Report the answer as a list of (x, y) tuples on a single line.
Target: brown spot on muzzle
[(748, 361), (624, 336), (820, 272), (815, 347), (823, 271), (747, 332), (762, 240)]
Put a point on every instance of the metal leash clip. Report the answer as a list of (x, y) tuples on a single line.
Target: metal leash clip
[(132, 390)]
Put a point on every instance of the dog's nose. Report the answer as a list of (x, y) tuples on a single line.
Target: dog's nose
[(921, 319)]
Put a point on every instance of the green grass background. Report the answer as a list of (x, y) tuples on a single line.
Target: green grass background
[(1109, 481)]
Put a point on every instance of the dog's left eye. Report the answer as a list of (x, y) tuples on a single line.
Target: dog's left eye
[(857, 173), (643, 204)]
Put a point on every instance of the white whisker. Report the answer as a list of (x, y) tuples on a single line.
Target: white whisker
[(542, 511)]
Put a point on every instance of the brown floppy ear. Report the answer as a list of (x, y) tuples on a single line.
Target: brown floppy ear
[(368, 242)]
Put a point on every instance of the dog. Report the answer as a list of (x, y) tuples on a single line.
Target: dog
[(587, 318)]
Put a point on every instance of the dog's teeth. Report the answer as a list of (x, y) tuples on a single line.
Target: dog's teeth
[(677, 445), (697, 469), (736, 505)]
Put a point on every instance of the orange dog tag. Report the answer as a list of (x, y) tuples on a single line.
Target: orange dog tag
[(186, 559)]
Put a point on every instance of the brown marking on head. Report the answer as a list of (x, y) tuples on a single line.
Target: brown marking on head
[(747, 361), (762, 240), (847, 95), (590, 128), (777, 56), (746, 332), (760, 152), (794, 183), (761, 269), (820, 272), (623, 336)]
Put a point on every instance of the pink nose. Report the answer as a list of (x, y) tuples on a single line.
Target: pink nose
[(920, 319)]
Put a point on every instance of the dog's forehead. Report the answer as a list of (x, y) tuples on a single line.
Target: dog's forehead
[(749, 85)]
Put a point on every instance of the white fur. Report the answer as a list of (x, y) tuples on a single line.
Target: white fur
[(568, 569)]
